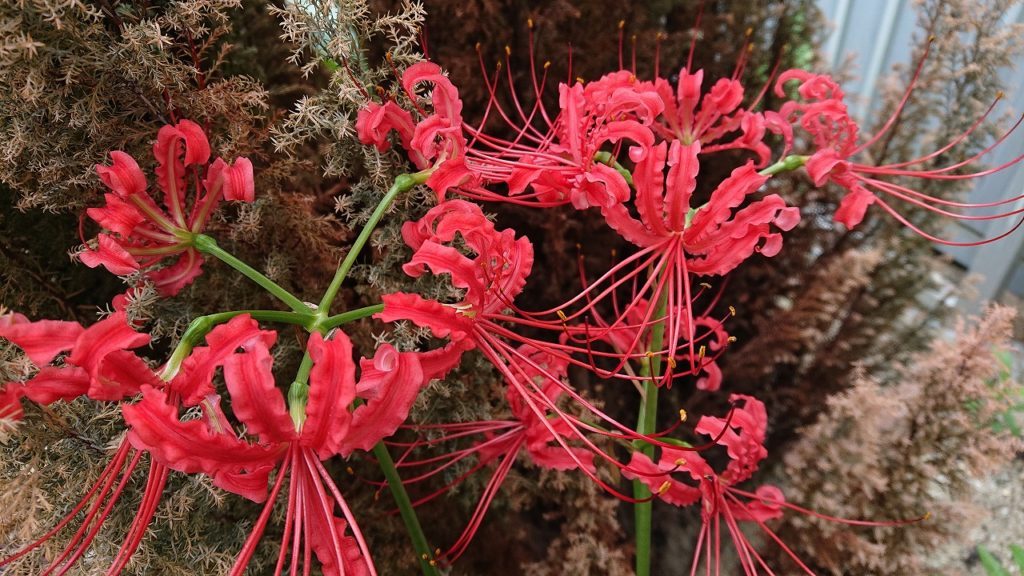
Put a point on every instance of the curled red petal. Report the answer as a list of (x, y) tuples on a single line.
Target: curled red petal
[(123, 176), (821, 164), (102, 338), (853, 206), (445, 95), (452, 173), (117, 215), (120, 374), (170, 280), (657, 479), (194, 380), (743, 437), (443, 321), (176, 148), (601, 186), (238, 181), (193, 446), (255, 399), (251, 484), (681, 182), (390, 383), (332, 389), (375, 121)]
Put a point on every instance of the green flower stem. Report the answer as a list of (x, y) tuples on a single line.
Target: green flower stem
[(201, 326), (345, 317), (647, 424), (300, 389), (403, 183), (428, 565), (207, 245), (787, 164), (607, 159)]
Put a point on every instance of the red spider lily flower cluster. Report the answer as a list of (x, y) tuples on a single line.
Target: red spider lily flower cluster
[(632, 150), (626, 148), (139, 234)]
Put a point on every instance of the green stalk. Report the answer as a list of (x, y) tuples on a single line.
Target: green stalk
[(647, 424), (607, 159), (787, 164), (207, 245), (299, 391), (345, 317), (428, 565), (403, 183), (201, 326)]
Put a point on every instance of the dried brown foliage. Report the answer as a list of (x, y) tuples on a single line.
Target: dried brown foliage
[(897, 449)]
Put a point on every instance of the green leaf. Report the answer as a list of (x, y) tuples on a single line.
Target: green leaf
[(990, 563), (1018, 556)]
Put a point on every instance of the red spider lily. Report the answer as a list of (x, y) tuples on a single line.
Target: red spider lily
[(559, 165), (677, 240), (435, 141), (491, 280), (609, 110), (141, 234), (822, 113), (743, 435), (705, 120), (287, 440), (542, 439), (710, 239), (102, 367)]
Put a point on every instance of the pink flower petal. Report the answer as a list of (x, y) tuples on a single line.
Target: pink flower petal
[(123, 176), (111, 256), (255, 399), (42, 340)]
